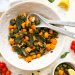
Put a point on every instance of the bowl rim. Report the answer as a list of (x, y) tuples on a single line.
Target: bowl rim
[(60, 62), (25, 3)]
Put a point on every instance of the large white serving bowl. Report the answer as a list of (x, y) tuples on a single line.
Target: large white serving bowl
[(5, 47)]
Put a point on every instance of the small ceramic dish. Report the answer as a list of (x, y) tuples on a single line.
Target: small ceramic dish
[(71, 64)]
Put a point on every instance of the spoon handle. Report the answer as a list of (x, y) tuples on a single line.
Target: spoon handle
[(58, 29), (65, 23), (56, 22), (62, 30)]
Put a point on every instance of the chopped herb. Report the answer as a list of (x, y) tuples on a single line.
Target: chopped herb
[(23, 45), (36, 32), (15, 31), (28, 43), (19, 39), (64, 55), (32, 53), (19, 21), (37, 47), (42, 39), (24, 53), (48, 40), (25, 33), (12, 22), (18, 50), (11, 34), (23, 18), (32, 23), (51, 1), (31, 40)]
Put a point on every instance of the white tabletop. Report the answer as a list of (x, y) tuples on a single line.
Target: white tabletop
[(65, 15)]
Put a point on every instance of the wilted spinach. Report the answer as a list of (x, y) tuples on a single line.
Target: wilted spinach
[(18, 50), (19, 21), (31, 40), (12, 22)]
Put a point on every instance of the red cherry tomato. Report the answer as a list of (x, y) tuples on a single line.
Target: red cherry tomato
[(3, 73), (2, 65), (8, 73), (73, 45), (4, 69), (73, 42)]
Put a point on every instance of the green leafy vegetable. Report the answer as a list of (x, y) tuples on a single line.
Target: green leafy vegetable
[(11, 34), (15, 31), (12, 22), (28, 43), (51, 1), (64, 55), (19, 21), (37, 47), (19, 39), (24, 53), (31, 40), (32, 53), (40, 38), (48, 40), (43, 46), (25, 33), (43, 39), (23, 18), (18, 50), (36, 32)]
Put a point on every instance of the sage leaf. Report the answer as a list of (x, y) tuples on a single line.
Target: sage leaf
[(64, 55), (51, 1)]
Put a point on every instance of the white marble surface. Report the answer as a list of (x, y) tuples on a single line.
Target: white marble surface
[(69, 16)]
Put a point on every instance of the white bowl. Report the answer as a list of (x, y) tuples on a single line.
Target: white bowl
[(5, 47), (68, 62)]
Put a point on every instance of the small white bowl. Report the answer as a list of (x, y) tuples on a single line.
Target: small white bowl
[(5, 47), (60, 62)]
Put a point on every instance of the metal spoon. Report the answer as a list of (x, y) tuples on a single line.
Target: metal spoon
[(56, 22), (53, 27)]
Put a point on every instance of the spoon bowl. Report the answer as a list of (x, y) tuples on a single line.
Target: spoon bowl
[(53, 27)]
